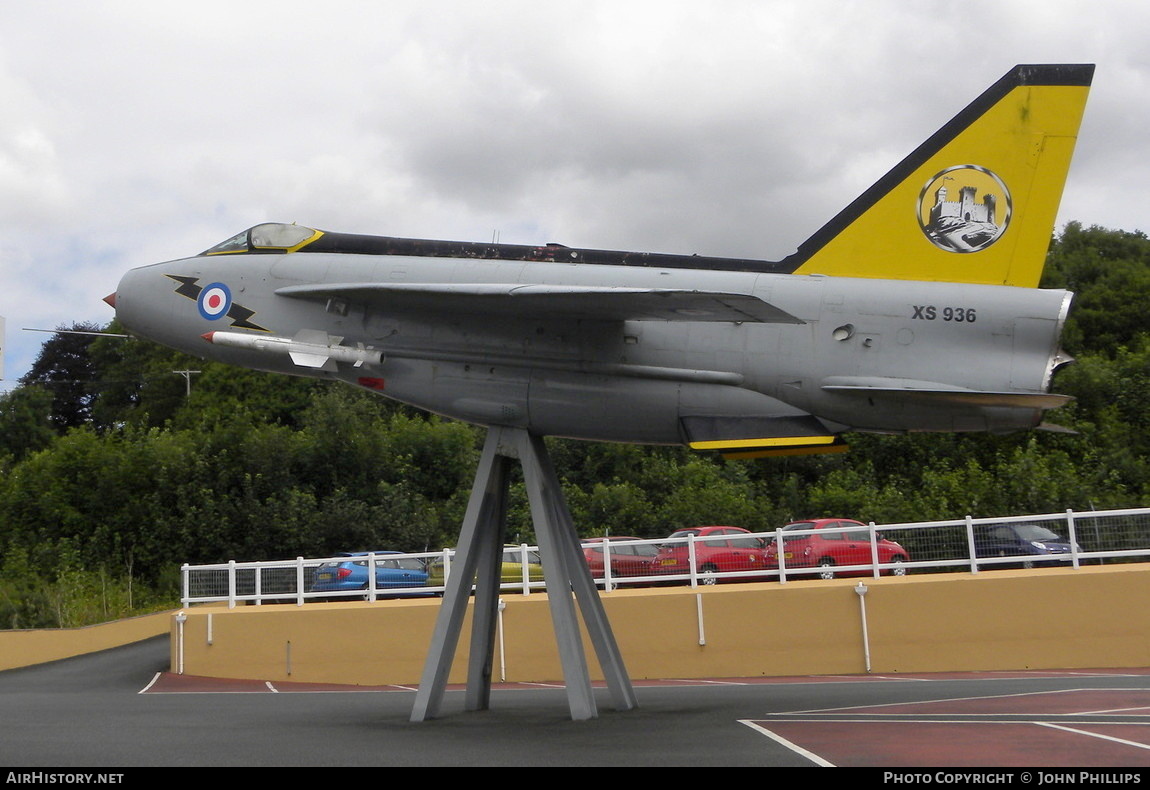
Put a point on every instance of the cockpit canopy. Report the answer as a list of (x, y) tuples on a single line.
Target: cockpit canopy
[(268, 237), (280, 238)]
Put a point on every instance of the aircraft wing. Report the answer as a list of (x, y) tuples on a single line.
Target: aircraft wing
[(580, 302), (787, 431), (934, 392)]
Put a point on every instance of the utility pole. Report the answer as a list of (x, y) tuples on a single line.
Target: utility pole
[(187, 374)]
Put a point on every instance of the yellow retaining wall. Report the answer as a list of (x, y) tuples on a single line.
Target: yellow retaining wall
[(1044, 618), (24, 648)]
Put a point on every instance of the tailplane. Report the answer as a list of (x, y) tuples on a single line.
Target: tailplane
[(975, 203)]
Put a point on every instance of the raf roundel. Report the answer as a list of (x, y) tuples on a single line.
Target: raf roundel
[(215, 301)]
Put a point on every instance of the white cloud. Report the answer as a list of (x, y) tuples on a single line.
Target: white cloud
[(136, 132)]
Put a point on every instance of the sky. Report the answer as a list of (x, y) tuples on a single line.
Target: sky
[(138, 131)]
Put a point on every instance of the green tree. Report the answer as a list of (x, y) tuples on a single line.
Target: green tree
[(1109, 272), (25, 421), (65, 368)]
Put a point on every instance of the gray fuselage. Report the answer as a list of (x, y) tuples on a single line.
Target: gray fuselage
[(856, 344)]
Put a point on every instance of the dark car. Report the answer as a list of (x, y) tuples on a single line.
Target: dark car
[(725, 549), (626, 557), (1033, 542), (396, 575), (826, 543)]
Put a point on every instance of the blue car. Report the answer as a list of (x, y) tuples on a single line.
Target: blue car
[(396, 575), (1031, 543)]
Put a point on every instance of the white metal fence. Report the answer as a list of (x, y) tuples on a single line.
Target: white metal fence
[(819, 549)]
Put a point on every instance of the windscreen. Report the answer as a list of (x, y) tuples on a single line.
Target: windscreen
[(268, 237)]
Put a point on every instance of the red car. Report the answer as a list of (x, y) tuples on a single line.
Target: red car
[(627, 558), (831, 542), (726, 549)]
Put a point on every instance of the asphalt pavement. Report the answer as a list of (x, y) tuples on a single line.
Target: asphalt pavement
[(121, 709)]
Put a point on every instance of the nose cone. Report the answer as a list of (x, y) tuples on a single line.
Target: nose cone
[(148, 306), (110, 299)]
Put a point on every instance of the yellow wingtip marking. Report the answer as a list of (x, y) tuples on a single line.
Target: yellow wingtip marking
[(787, 441), (787, 451)]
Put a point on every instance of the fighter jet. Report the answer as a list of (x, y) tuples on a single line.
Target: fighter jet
[(916, 308)]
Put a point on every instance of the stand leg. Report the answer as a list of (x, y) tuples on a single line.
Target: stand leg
[(482, 526), (485, 615), (479, 560), (546, 514), (542, 481)]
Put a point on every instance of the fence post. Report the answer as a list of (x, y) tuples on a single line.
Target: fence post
[(525, 569), (1073, 537), (691, 568), (607, 587), (446, 566), (970, 544), (874, 551), (186, 576), (371, 576), (231, 584), (779, 556), (299, 581)]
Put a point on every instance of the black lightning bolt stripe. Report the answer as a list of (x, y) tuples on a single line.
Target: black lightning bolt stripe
[(240, 316), (191, 289), (188, 286)]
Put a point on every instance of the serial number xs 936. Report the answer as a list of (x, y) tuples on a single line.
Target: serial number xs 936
[(959, 315)]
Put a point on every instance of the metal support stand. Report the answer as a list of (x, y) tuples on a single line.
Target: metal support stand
[(478, 560)]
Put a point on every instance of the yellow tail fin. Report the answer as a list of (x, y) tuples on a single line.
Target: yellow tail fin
[(976, 203)]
